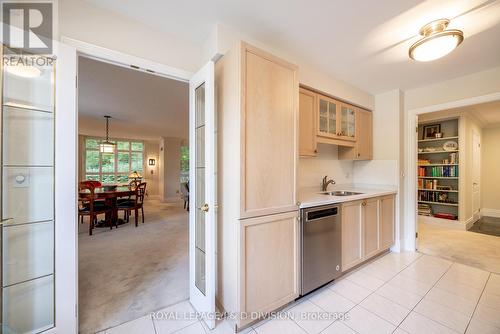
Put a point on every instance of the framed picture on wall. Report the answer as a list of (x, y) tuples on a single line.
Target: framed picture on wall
[(430, 131)]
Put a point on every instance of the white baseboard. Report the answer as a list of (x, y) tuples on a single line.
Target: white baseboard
[(172, 199), (153, 197), (447, 223), (490, 212), (469, 222)]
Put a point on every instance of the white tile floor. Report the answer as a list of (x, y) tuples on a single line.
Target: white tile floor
[(398, 293)]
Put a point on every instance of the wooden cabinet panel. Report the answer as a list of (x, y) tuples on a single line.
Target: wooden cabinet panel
[(307, 122), (269, 134), (348, 122), (387, 213), (351, 234), (364, 143), (363, 148), (370, 227), (269, 262), (328, 117)]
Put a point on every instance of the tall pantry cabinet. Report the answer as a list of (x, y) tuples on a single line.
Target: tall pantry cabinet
[(257, 227)]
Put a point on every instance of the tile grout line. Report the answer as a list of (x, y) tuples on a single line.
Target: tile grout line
[(477, 304), (413, 309), (373, 292)]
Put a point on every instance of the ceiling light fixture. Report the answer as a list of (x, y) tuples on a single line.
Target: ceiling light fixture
[(107, 146), (437, 41)]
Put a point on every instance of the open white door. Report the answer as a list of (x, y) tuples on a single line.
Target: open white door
[(476, 175), (202, 193), (38, 197)]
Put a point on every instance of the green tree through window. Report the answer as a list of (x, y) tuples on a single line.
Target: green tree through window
[(113, 167), (184, 163)]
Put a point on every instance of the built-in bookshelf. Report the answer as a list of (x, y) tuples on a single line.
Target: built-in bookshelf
[(438, 169)]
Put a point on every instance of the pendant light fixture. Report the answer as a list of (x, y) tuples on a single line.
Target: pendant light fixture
[(107, 146), (436, 42)]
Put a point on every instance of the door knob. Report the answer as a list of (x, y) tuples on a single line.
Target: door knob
[(204, 207)]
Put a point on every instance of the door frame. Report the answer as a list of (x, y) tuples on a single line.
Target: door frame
[(67, 163), (410, 160)]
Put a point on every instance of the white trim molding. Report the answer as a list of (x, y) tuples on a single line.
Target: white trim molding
[(485, 212), (410, 159), (125, 60)]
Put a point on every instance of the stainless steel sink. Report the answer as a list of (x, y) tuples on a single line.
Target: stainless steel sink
[(341, 193)]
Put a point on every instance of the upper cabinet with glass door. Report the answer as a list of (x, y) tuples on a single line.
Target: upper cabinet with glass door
[(348, 122), (336, 120), (328, 117)]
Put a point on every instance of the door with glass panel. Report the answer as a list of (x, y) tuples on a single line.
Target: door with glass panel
[(348, 122), (202, 193), (328, 117), (27, 196)]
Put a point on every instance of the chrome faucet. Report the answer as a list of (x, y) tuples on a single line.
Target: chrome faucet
[(326, 182)]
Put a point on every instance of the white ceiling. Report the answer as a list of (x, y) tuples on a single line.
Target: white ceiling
[(142, 105), (362, 42)]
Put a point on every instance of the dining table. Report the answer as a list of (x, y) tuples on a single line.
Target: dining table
[(110, 195)]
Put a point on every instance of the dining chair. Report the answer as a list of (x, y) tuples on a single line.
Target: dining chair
[(88, 206), (135, 203), (185, 194)]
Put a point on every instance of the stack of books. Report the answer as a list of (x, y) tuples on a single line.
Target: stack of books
[(424, 210)]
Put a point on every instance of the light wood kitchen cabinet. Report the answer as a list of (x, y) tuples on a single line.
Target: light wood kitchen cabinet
[(370, 227), (387, 219), (308, 115), (269, 258), (352, 247), (367, 229), (363, 148), (257, 151)]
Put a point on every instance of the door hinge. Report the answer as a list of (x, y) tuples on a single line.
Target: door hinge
[(416, 129), (76, 310), (416, 235), (76, 81)]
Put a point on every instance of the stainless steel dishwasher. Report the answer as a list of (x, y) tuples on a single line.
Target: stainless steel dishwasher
[(321, 246)]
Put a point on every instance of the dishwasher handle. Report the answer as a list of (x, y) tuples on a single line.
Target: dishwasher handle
[(321, 214)]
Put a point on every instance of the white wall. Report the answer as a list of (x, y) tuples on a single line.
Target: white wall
[(170, 152), (83, 21), (312, 169), (152, 149), (490, 167), (477, 84), (225, 38)]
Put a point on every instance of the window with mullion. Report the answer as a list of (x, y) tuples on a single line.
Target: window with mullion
[(113, 167)]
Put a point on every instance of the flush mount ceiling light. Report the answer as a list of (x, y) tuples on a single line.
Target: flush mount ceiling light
[(107, 146), (437, 41), (25, 71)]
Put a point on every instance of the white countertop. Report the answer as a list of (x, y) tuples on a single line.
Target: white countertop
[(313, 196)]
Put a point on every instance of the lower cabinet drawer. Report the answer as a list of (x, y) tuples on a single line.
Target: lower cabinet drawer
[(269, 263)]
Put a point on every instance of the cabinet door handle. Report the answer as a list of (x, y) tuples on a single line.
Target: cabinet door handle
[(364, 203)]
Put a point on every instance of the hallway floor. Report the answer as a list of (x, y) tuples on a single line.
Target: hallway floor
[(487, 225), (473, 249), (397, 293), (128, 272)]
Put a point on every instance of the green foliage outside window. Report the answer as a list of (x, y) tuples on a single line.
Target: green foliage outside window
[(184, 163), (113, 167)]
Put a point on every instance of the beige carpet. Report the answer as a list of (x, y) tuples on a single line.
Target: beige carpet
[(128, 272), (473, 249)]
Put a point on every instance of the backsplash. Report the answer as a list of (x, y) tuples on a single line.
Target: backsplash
[(376, 172), (312, 170)]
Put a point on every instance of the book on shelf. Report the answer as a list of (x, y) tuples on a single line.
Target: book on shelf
[(424, 210), (443, 215), (438, 171)]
